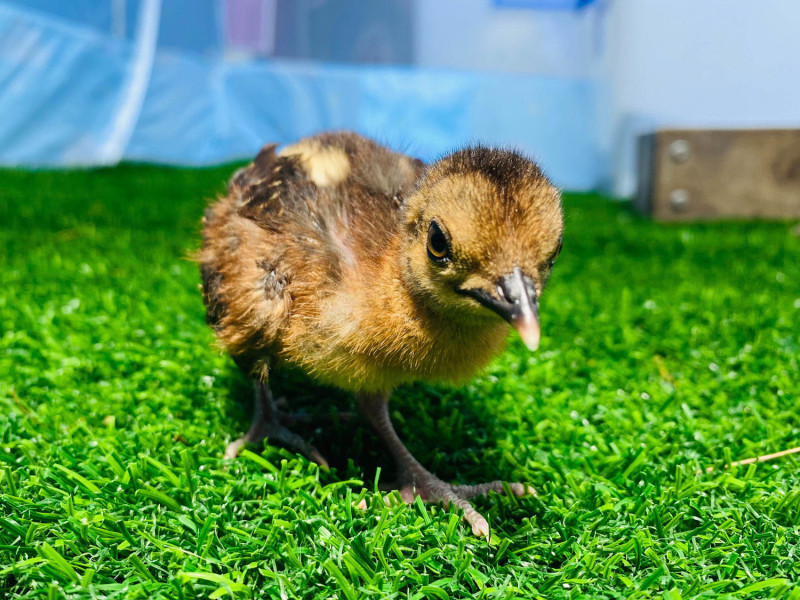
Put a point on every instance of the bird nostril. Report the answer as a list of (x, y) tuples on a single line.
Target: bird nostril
[(508, 293), (513, 288), (501, 293)]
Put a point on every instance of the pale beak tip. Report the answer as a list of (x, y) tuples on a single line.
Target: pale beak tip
[(528, 329), (533, 345)]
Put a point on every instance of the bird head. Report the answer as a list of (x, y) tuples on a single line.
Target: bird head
[(482, 231)]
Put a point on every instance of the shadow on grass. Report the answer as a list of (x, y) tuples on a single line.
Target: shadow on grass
[(452, 431)]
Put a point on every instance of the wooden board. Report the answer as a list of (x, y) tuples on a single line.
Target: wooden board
[(708, 174)]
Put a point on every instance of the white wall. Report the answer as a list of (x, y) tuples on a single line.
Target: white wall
[(696, 63), (658, 63)]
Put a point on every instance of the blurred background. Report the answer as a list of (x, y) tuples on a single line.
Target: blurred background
[(571, 82)]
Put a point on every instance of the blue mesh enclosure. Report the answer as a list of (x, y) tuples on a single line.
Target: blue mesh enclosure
[(203, 81)]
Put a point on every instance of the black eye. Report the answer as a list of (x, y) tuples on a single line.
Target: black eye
[(438, 248), (553, 258)]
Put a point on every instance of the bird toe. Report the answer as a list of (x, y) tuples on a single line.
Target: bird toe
[(431, 489), (480, 528), (232, 449)]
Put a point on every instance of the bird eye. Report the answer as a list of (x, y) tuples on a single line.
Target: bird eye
[(553, 258), (438, 248)]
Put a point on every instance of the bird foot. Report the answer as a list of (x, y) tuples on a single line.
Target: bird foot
[(267, 425), (276, 433), (416, 480), (432, 489)]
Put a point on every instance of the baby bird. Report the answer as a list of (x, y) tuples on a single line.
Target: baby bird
[(366, 269)]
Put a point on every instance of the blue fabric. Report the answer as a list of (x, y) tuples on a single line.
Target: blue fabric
[(224, 111), (60, 87)]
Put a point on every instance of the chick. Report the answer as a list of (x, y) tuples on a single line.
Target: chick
[(366, 269)]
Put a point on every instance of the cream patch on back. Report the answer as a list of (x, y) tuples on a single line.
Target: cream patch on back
[(324, 165), (346, 252)]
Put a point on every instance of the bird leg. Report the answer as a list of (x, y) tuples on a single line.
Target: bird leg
[(416, 480), (266, 425)]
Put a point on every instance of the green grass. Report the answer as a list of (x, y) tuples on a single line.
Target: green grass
[(666, 349)]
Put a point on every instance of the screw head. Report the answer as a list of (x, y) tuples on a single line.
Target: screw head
[(679, 199), (680, 151)]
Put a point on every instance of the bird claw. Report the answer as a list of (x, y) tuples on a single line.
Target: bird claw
[(432, 489), (277, 433)]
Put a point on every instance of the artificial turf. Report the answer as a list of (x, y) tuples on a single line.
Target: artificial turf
[(667, 349)]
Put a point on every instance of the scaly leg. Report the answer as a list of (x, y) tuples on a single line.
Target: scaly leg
[(416, 480), (267, 426)]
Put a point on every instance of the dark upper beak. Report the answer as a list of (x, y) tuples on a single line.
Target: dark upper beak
[(516, 301)]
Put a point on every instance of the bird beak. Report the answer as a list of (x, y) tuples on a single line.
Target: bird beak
[(517, 302)]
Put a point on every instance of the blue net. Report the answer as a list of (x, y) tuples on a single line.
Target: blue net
[(196, 82)]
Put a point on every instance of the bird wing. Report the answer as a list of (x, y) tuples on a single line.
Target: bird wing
[(339, 194), (293, 222), (258, 170)]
